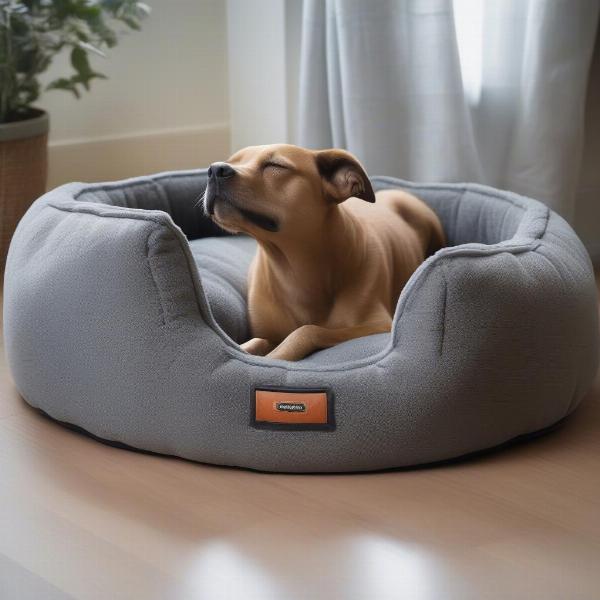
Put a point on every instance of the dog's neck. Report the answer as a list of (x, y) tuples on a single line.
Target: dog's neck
[(336, 248)]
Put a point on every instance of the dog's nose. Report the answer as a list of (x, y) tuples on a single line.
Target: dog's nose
[(220, 170)]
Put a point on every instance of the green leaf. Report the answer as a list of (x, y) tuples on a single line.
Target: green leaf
[(64, 84), (87, 12), (80, 62), (29, 91), (131, 22), (89, 48), (143, 8)]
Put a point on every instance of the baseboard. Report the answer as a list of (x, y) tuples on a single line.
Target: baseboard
[(118, 157)]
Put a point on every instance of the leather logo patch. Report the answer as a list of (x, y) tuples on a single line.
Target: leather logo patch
[(292, 408)]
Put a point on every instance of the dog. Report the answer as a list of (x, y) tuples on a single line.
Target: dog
[(332, 255)]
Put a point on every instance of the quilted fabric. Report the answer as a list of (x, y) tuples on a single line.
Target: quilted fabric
[(124, 307)]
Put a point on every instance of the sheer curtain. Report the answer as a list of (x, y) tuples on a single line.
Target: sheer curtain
[(434, 90)]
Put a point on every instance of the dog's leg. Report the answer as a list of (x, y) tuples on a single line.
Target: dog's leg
[(257, 346), (309, 338)]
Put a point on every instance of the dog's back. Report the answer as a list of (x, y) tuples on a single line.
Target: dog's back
[(403, 232)]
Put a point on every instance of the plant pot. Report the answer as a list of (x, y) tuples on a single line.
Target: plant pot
[(23, 171)]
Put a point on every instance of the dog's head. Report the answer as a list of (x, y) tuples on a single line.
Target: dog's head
[(267, 191)]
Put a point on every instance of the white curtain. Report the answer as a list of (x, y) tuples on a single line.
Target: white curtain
[(500, 103)]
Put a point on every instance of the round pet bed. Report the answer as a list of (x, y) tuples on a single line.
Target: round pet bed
[(124, 307)]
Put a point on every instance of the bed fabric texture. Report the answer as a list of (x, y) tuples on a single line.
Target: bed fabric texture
[(124, 306)]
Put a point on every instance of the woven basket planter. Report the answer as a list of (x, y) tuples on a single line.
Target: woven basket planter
[(23, 171)]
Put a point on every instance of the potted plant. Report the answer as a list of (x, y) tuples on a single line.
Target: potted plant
[(32, 32)]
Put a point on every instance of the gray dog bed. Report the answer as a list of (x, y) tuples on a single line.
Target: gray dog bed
[(124, 306)]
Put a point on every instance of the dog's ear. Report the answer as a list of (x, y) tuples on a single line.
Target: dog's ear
[(343, 176)]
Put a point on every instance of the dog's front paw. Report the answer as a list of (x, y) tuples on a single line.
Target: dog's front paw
[(257, 346)]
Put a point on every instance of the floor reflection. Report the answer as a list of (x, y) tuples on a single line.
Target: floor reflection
[(220, 570), (387, 568)]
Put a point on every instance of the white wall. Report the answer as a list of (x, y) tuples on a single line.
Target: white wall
[(264, 56), (165, 104)]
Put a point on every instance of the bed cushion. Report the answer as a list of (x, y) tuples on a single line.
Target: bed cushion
[(223, 267)]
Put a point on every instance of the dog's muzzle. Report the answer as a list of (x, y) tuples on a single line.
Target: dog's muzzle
[(217, 173), (220, 170)]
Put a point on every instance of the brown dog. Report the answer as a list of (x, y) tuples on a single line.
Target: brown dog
[(325, 272)]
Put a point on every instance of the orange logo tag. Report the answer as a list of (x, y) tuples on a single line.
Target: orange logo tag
[(307, 409)]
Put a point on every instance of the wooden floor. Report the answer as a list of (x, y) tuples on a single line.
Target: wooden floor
[(80, 519)]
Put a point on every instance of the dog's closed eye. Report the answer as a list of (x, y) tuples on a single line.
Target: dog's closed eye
[(273, 165)]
